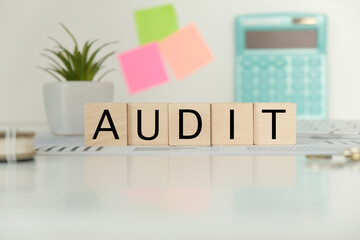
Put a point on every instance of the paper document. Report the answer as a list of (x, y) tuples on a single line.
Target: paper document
[(58, 145)]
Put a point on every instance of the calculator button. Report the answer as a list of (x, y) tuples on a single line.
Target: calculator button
[(316, 91), (280, 85), (265, 81), (298, 75), (272, 88), (314, 74), (280, 98), (298, 86), (246, 62), (315, 109), (263, 63), (247, 87), (281, 93), (314, 62), (300, 103), (315, 85), (315, 98), (300, 108), (272, 98), (297, 98), (281, 80), (280, 75), (256, 98), (264, 86), (247, 75), (298, 62), (265, 93), (264, 98), (280, 62), (247, 98), (263, 75)]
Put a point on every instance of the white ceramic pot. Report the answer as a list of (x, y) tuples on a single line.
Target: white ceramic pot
[(64, 103)]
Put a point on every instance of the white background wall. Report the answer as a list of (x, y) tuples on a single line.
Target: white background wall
[(25, 25)]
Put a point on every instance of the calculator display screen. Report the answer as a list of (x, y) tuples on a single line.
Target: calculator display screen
[(281, 39)]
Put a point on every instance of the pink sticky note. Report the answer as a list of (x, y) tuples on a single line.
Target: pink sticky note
[(143, 67), (185, 51)]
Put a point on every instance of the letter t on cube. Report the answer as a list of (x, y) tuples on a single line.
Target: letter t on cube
[(274, 123)]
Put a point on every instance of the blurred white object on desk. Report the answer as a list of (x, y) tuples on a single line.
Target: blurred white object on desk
[(334, 129), (16, 146)]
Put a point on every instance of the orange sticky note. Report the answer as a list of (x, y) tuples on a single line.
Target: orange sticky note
[(185, 51)]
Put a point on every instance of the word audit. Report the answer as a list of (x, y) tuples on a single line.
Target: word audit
[(179, 124)]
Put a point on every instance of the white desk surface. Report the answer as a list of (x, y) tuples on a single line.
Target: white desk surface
[(178, 197)]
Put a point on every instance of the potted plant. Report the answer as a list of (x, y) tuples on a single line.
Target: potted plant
[(78, 83)]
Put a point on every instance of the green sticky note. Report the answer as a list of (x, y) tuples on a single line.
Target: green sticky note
[(155, 24)]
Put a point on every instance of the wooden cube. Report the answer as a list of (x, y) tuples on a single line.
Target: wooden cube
[(232, 124), (274, 123), (148, 124), (189, 124), (105, 124)]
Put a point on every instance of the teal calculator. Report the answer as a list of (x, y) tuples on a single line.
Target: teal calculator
[(282, 58)]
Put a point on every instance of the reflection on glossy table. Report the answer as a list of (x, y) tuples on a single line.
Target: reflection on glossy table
[(178, 197)]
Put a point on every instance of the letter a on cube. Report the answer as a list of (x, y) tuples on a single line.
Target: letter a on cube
[(105, 124)]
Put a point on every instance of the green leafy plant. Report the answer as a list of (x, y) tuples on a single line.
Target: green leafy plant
[(79, 64)]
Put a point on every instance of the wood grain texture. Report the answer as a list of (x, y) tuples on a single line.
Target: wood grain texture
[(285, 124), (238, 131), (93, 114), (148, 127), (190, 124)]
